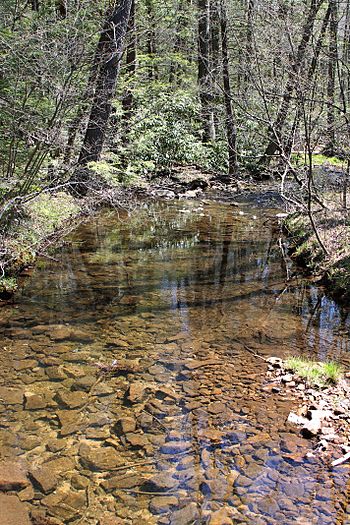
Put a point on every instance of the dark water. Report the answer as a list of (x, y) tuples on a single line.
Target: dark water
[(187, 432)]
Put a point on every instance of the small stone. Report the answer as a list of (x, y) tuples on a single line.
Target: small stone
[(162, 504), (45, 478)]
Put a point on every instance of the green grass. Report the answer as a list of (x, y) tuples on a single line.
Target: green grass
[(318, 160), (315, 372)]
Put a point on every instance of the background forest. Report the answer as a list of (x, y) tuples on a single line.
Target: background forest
[(101, 93)]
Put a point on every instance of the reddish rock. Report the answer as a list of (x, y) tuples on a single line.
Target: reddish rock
[(12, 476), (13, 511)]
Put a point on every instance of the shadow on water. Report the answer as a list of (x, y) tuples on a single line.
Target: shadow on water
[(181, 430)]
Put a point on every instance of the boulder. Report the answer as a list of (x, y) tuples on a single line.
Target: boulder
[(99, 458)]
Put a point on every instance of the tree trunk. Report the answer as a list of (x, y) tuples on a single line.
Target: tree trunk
[(130, 70), (106, 83), (230, 121), (295, 66), (330, 148), (203, 65)]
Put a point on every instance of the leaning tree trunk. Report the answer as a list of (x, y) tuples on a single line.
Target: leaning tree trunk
[(203, 65), (106, 83), (295, 66), (230, 121)]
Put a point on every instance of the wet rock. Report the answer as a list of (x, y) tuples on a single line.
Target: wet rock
[(26, 494), (220, 517), (44, 478), (136, 440), (59, 466), (175, 447), (162, 482), (125, 425), (268, 505), (72, 399), (194, 364), (26, 364), (34, 401), (185, 516), (71, 422), (129, 481), (12, 476), (98, 458), (218, 489), (55, 373), (110, 518), (216, 407), (137, 392), (11, 396), (162, 504), (145, 421), (13, 511)]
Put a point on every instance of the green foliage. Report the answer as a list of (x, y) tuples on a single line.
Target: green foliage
[(8, 285), (298, 159), (314, 372)]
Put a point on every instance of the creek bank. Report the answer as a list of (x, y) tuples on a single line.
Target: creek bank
[(331, 269), (323, 413)]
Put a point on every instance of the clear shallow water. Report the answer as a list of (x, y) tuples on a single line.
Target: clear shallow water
[(189, 434)]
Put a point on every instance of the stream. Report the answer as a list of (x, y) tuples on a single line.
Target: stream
[(129, 395)]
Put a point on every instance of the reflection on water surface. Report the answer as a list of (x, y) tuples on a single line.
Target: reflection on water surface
[(185, 432)]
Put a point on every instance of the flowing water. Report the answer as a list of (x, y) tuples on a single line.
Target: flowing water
[(127, 388)]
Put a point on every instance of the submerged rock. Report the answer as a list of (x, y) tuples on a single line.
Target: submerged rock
[(162, 504), (45, 478), (98, 458), (12, 476), (13, 511), (185, 516)]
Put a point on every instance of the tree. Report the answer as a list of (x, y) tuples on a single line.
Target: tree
[(230, 120), (116, 27)]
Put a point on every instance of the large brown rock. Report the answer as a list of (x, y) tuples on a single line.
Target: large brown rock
[(12, 476), (13, 511)]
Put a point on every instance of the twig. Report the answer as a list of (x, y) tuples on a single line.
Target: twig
[(254, 353), (132, 465), (341, 460)]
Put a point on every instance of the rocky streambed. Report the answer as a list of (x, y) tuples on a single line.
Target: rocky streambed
[(128, 395)]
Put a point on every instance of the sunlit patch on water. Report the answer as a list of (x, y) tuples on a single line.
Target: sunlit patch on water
[(128, 394)]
